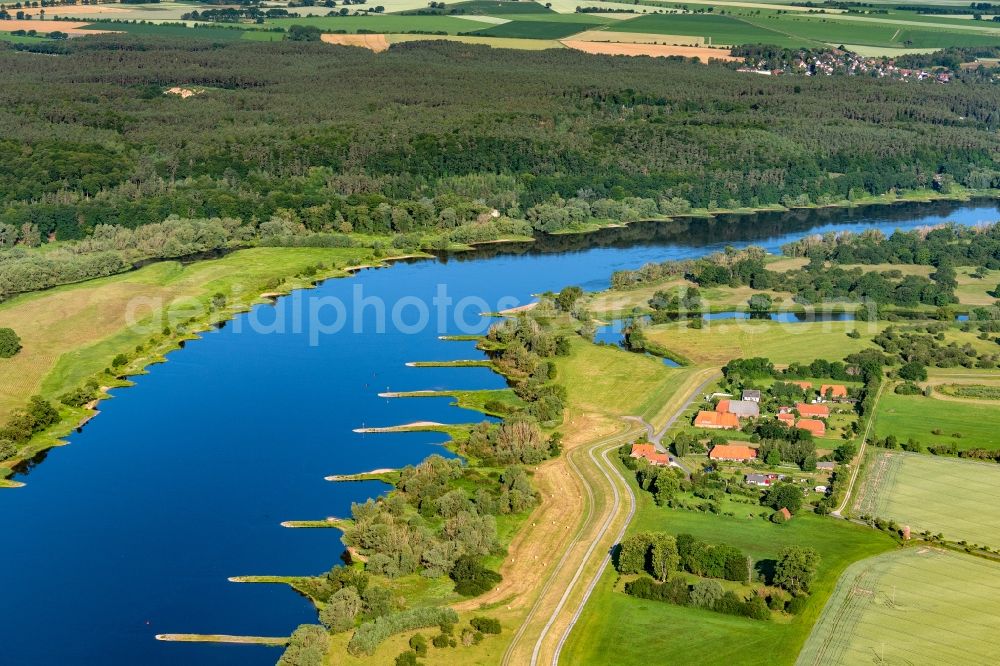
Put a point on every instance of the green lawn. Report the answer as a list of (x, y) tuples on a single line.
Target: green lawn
[(915, 416), (912, 606), (496, 8), (619, 629), (170, 30), (943, 495)]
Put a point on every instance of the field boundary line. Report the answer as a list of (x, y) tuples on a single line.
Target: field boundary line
[(861, 454)]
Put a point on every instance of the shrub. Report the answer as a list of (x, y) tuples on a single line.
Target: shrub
[(307, 646), (10, 343), (370, 635), (472, 578), (419, 645), (119, 360), (486, 625), (408, 658), (440, 641), (796, 605)]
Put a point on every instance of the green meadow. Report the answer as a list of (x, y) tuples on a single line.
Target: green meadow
[(931, 421)]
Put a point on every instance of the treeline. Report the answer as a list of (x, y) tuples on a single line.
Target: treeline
[(91, 139), (661, 558), (520, 347), (111, 249), (949, 244)]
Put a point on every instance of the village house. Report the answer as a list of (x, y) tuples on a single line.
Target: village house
[(805, 386), (648, 452), (716, 420), (763, 480), (751, 395), (743, 409), (820, 489), (815, 426), (812, 411), (826, 465), (787, 419), (833, 392), (732, 453)]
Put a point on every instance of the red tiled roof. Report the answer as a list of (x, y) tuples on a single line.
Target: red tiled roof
[(836, 390), (706, 419), (787, 419), (806, 409), (786, 513), (805, 386), (722, 407), (649, 452), (732, 452), (812, 425)]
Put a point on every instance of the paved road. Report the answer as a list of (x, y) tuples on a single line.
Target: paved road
[(598, 455)]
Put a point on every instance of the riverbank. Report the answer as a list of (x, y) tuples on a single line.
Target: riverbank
[(68, 342)]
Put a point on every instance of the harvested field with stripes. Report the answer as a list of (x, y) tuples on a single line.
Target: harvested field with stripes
[(376, 43), (655, 50), (910, 606), (957, 498)]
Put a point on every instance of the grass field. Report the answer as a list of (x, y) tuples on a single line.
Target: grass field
[(912, 606), (915, 416), (943, 495), (72, 332), (722, 340), (975, 291), (659, 633)]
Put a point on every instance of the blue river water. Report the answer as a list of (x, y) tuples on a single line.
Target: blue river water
[(182, 480)]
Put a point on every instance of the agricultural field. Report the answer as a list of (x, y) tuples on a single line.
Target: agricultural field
[(927, 420), (534, 29), (677, 634), (942, 495), (910, 606), (384, 23)]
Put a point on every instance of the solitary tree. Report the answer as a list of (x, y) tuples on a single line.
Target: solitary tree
[(10, 343), (796, 568), (664, 557)]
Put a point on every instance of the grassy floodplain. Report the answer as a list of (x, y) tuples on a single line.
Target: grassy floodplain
[(953, 497), (665, 633), (910, 606), (71, 333)]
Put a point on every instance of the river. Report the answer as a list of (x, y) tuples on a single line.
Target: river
[(182, 480)]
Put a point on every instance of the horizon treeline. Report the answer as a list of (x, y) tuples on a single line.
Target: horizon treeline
[(431, 136)]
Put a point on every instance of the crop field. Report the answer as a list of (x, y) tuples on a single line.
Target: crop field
[(721, 30), (664, 633), (911, 606), (964, 424), (535, 29), (495, 42), (704, 54), (384, 23), (942, 495)]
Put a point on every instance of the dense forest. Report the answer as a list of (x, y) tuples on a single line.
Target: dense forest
[(438, 135)]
